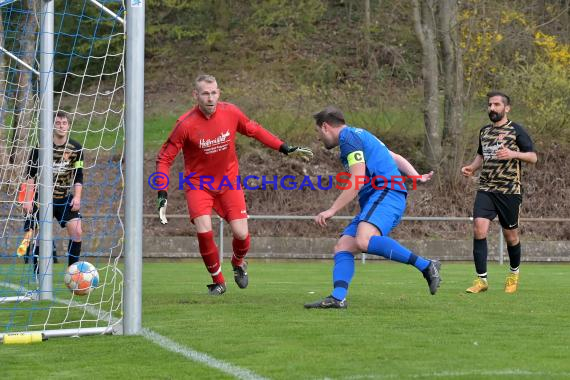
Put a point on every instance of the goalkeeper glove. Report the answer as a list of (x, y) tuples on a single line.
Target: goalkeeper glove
[(296, 151), (162, 201)]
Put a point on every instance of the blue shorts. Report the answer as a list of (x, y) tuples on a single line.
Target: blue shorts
[(383, 209)]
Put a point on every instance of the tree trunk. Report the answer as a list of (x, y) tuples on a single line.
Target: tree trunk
[(425, 27), (24, 95), (3, 78), (371, 63), (453, 103), (566, 21), (3, 105)]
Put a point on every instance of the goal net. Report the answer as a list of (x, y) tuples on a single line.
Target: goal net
[(88, 85)]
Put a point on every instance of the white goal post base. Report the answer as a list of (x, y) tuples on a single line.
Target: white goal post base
[(115, 330), (17, 299)]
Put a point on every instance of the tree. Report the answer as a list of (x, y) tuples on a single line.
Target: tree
[(23, 97), (425, 27), (453, 103), (2, 74), (436, 26), (370, 57)]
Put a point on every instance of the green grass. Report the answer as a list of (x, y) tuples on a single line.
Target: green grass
[(157, 129), (108, 136), (36, 314), (298, 127), (393, 328), (406, 122)]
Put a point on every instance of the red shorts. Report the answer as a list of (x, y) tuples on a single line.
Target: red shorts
[(229, 204)]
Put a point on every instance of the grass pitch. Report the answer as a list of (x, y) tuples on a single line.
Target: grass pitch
[(392, 329)]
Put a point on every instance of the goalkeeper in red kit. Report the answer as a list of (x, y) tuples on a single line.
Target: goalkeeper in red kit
[(206, 135)]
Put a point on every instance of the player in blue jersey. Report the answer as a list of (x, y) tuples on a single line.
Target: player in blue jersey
[(376, 179)]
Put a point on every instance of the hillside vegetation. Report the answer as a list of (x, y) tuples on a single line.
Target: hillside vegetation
[(281, 61)]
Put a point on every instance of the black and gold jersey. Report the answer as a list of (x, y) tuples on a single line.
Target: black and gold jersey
[(67, 167), (502, 176)]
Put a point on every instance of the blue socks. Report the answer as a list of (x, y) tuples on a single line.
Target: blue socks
[(342, 274), (379, 245), (391, 249)]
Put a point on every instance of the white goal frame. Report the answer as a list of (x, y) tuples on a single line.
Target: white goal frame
[(134, 149)]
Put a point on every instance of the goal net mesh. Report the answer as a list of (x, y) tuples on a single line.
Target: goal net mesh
[(88, 76)]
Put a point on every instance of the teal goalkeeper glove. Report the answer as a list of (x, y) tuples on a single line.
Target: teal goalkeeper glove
[(162, 202), (296, 151)]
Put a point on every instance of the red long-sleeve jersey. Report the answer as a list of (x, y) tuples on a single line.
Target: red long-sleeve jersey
[(208, 144)]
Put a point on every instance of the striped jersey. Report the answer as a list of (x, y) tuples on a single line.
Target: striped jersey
[(67, 167), (502, 176)]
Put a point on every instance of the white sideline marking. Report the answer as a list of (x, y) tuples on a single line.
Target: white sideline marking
[(200, 357), (164, 342), (453, 374), (242, 373)]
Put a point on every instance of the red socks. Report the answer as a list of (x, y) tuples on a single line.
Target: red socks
[(240, 250), (210, 255)]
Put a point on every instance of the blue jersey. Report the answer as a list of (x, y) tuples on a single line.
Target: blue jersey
[(359, 145)]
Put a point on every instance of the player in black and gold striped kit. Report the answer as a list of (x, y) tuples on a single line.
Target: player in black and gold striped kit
[(67, 174), (503, 147)]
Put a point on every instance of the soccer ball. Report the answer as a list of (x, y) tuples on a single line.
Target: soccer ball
[(81, 278)]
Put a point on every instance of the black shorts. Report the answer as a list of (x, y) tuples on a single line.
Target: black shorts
[(61, 212), (507, 206)]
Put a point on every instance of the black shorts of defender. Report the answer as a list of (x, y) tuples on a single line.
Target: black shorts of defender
[(507, 206), (61, 212)]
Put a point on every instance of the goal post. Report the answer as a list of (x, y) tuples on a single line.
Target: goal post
[(134, 160), (45, 183), (84, 57)]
